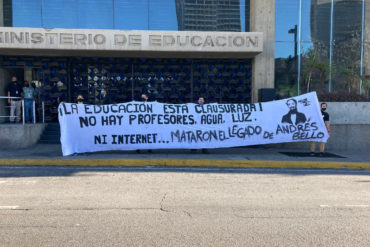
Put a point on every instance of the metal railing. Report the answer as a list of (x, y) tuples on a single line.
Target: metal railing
[(23, 109)]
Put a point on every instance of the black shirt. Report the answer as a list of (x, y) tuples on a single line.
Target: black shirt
[(325, 116), (15, 89), (104, 100)]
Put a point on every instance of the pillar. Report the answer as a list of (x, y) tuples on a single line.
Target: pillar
[(262, 19)]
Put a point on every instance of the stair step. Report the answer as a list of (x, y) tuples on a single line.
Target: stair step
[(51, 134), (49, 142)]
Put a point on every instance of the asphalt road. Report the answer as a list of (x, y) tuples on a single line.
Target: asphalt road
[(53, 206)]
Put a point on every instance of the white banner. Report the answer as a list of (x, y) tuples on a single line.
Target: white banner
[(153, 125)]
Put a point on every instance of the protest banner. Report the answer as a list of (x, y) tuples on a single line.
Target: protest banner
[(153, 125)]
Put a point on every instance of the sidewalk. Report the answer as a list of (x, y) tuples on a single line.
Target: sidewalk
[(261, 156)]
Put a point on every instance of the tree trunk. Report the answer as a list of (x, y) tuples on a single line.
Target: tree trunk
[(308, 83)]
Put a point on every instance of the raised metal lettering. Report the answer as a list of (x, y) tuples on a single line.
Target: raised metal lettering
[(134, 40), (193, 41), (120, 39)]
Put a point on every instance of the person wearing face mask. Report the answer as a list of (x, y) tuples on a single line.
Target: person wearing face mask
[(204, 150), (29, 95), (104, 98), (14, 90), (144, 98), (325, 117), (80, 99)]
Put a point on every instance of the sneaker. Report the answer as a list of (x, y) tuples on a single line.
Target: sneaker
[(312, 154)]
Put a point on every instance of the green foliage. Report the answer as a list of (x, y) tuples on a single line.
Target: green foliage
[(312, 64)]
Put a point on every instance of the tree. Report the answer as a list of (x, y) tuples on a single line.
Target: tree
[(351, 77), (313, 64), (366, 86)]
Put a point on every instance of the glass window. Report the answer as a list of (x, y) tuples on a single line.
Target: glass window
[(210, 16), (366, 69), (286, 18), (306, 19), (59, 14), (8, 15), (131, 15), (162, 15), (347, 29), (286, 73), (315, 46), (26, 13), (95, 14)]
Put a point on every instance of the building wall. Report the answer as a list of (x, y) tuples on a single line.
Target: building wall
[(14, 136), (262, 19)]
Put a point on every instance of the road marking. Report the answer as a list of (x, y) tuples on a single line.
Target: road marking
[(8, 207), (347, 206)]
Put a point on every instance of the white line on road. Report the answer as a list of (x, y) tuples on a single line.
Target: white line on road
[(348, 206), (8, 207)]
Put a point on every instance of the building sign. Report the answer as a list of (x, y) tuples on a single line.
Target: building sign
[(143, 125), (119, 40)]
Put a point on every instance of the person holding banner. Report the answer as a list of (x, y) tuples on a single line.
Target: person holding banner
[(325, 117), (79, 100), (144, 98), (200, 102)]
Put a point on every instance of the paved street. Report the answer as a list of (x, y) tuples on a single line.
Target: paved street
[(60, 206)]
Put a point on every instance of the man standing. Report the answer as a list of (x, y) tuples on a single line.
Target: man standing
[(325, 117), (14, 90), (28, 94)]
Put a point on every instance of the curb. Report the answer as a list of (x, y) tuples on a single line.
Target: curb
[(186, 163)]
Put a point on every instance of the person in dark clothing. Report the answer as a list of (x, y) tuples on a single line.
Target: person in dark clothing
[(293, 116), (144, 98), (104, 98), (79, 100), (325, 117), (14, 90), (200, 102)]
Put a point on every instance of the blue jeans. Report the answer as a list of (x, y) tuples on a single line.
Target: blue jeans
[(28, 109)]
